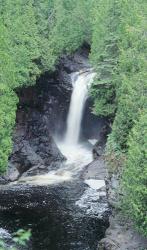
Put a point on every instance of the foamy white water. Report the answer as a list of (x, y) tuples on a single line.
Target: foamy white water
[(52, 178), (81, 83), (78, 155)]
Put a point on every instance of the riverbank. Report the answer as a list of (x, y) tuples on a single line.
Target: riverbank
[(121, 234), (74, 212), (55, 194)]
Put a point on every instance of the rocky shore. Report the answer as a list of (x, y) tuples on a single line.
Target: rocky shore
[(120, 234)]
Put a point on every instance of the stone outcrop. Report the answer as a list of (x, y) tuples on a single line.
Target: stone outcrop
[(62, 208), (42, 113), (121, 235), (34, 150)]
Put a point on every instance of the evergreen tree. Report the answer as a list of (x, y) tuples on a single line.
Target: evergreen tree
[(135, 175), (8, 98)]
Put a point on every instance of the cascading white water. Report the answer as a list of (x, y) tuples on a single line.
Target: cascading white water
[(81, 82), (78, 154)]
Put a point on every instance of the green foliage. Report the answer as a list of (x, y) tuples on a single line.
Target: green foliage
[(104, 57), (8, 99), (131, 87), (8, 102), (33, 36), (119, 50), (20, 238), (2, 245), (135, 175), (7, 68), (21, 25)]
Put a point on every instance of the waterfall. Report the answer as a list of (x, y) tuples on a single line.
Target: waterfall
[(78, 154), (81, 81)]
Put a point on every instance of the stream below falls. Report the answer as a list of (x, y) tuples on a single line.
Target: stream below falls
[(67, 208)]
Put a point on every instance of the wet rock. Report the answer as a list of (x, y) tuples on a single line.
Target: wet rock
[(6, 237), (42, 169), (12, 172), (94, 203), (75, 62), (94, 199), (96, 170), (121, 235), (72, 212), (34, 148), (42, 110), (99, 147), (42, 142), (53, 211), (113, 184), (108, 244), (3, 180), (42, 113)]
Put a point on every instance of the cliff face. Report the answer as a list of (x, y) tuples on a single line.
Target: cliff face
[(54, 210), (42, 113)]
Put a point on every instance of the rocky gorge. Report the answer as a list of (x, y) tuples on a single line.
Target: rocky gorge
[(67, 205), (63, 210)]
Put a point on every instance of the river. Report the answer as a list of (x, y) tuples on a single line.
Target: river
[(66, 211)]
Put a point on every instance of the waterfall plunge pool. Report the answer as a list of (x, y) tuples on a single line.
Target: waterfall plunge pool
[(64, 211)]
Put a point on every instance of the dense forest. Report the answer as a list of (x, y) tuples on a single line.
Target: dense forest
[(35, 33)]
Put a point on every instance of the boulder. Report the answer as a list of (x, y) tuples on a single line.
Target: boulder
[(34, 149)]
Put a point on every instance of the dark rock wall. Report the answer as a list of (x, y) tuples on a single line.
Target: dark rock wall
[(42, 114), (42, 111), (92, 125)]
